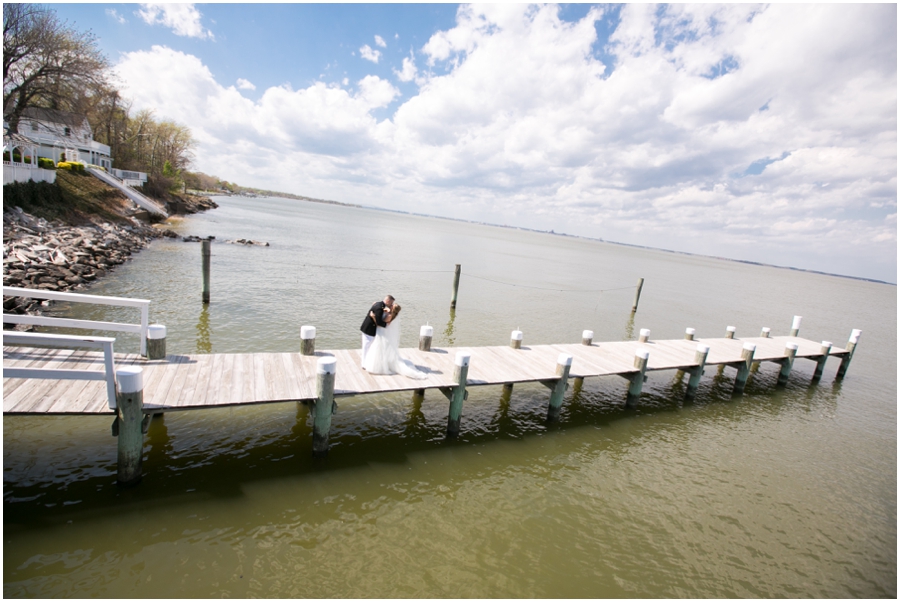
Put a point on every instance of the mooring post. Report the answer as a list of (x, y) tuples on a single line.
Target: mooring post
[(820, 361), (729, 332), (457, 394), (764, 333), (307, 340), (696, 372), (689, 334), (740, 380), (637, 295), (156, 342), (645, 335), (795, 326), (515, 339), (587, 338), (455, 286), (790, 352), (204, 251), (426, 333), (559, 386), (851, 347), (637, 380), (323, 407), (129, 425)]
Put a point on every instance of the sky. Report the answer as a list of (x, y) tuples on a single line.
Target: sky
[(755, 132)]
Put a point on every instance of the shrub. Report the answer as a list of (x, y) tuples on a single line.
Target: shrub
[(45, 163), (70, 165)]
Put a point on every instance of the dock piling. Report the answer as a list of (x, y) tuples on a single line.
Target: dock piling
[(307, 340), (426, 334), (641, 357), (820, 362), (637, 295), (205, 253), (457, 394), (851, 347), (156, 342), (697, 372), (729, 332), (559, 386), (456, 273), (790, 352), (689, 334), (740, 380), (795, 326), (587, 337), (129, 424), (515, 339), (645, 335), (323, 406), (764, 333)]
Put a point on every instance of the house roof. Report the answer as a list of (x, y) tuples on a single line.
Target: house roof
[(54, 116)]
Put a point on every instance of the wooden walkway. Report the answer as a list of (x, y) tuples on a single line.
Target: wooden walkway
[(193, 382)]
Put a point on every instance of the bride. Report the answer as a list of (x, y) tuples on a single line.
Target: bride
[(383, 357)]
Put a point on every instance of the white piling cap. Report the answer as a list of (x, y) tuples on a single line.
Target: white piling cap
[(130, 379), (307, 332), (326, 365), (796, 324), (642, 353), (645, 332), (564, 359), (827, 344), (156, 331), (792, 346), (587, 334), (731, 329), (516, 335), (462, 359), (426, 331), (766, 329), (703, 348), (689, 331), (854, 336), (749, 346)]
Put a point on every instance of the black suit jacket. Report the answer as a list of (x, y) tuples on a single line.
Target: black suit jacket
[(368, 325)]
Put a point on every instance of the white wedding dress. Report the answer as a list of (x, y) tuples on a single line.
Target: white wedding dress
[(383, 357)]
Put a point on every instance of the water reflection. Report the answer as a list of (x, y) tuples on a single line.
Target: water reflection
[(204, 345), (448, 331), (629, 328)]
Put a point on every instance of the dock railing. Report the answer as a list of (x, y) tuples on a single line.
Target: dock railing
[(35, 339), (142, 304)]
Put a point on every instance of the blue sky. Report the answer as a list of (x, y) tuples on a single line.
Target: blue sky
[(757, 132)]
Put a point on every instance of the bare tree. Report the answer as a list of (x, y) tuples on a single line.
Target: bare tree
[(45, 62)]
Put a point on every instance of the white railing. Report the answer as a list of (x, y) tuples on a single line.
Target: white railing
[(142, 304), (140, 199), (23, 172), (33, 339)]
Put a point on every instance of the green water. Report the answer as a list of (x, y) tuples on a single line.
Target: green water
[(781, 492)]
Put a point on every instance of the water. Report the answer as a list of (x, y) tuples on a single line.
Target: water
[(777, 493)]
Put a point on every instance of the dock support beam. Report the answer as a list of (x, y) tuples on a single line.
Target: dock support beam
[(455, 286), (851, 347), (129, 425), (204, 252), (156, 342), (697, 372), (740, 380), (457, 394), (637, 295), (307, 340), (820, 362), (323, 407), (790, 352), (558, 387), (795, 326), (426, 333), (641, 357)]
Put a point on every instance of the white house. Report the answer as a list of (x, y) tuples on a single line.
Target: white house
[(63, 136)]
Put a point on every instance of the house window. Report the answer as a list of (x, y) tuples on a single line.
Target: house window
[(68, 132), (34, 126)]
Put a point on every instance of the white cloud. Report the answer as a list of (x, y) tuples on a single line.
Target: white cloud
[(525, 119), (184, 19), (116, 16), (379, 41), (244, 84), (369, 54)]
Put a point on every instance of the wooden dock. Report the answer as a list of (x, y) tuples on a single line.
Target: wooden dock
[(195, 382)]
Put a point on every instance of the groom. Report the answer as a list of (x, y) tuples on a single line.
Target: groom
[(374, 318)]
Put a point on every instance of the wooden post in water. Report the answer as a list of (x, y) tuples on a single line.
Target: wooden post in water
[(156, 342), (515, 339), (820, 361), (323, 407), (558, 387), (204, 251), (457, 394), (697, 372), (729, 332), (129, 424), (637, 295), (740, 380), (587, 338), (637, 380), (765, 332), (790, 352), (426, 333), (851, 347), (645, 335), (307, 340), (795, 326), (689, 334), (455, 286)]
